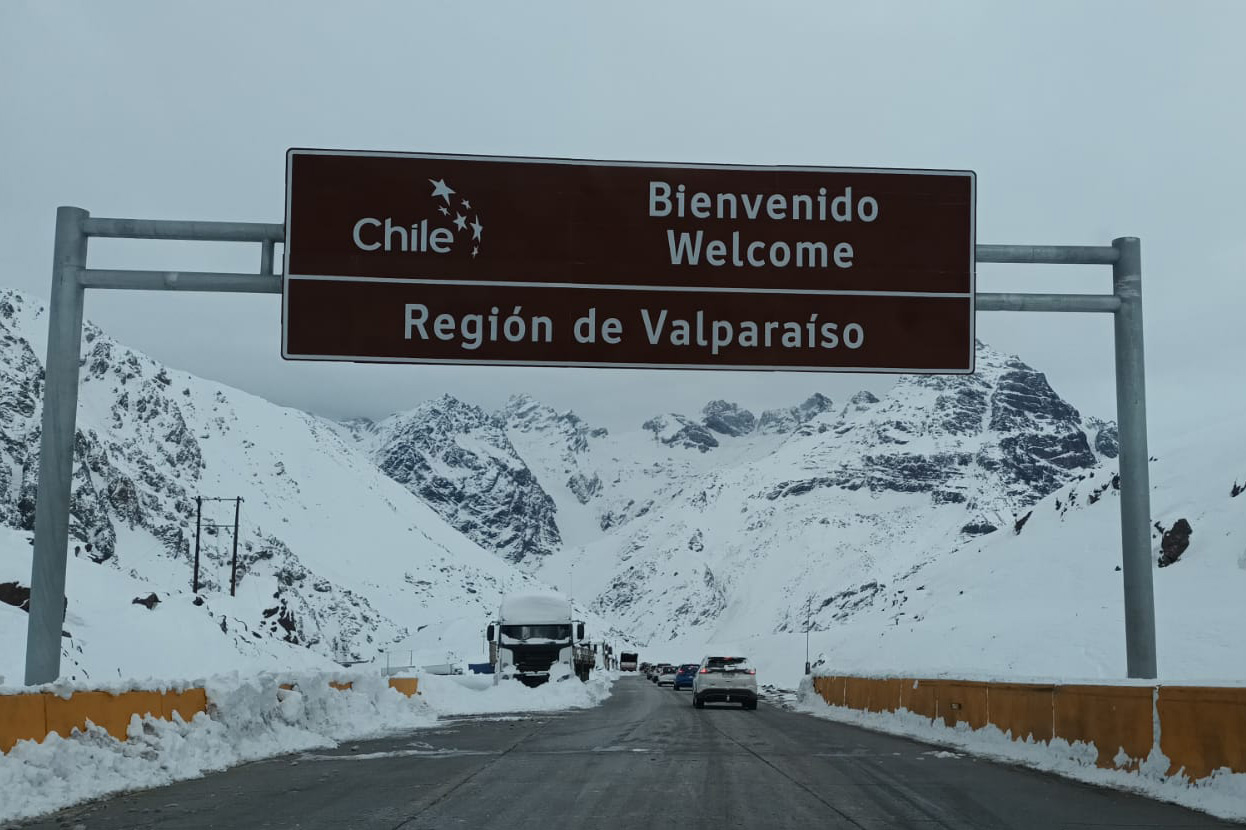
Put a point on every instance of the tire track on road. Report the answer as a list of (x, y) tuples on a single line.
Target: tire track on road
[(799, 784), (471, 776)]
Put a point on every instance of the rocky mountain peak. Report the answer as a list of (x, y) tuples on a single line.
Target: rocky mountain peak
[(675, 430), (860, 402), (460, 461), (1104, 437), (782, 421), (815, 404), (526, 414), (524, 409), (728, 418)]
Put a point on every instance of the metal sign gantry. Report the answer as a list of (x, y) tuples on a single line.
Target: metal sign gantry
[(71, 277)]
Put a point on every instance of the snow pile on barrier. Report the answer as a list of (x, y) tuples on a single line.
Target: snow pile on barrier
[(477, 695), (1222, 794), (252, 718)]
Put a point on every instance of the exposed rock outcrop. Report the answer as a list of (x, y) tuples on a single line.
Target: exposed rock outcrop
[(1175, 542)]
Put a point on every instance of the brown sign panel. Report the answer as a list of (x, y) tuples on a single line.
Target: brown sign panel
[(446, 259), (440, 323)]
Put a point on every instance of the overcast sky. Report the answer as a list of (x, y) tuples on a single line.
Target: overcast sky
[(1083, 120)]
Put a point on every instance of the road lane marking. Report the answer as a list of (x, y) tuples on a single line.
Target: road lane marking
[(400, 753)]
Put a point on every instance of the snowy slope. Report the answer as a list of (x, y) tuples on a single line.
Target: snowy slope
[(334, 555), (111, 638), (728, 525), (888, 523), (1047, 601)]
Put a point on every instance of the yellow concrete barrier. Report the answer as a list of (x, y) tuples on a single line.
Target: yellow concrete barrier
[(857, 692), (22, 718), (1111, 717), (111, 712), (34, 716), (187, 703), (963, 702), (1203, 729), (920, 697), (837, 688), (822, 685), (881, 694), (1022, 709)]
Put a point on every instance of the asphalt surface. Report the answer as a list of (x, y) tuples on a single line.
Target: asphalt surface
[(644, 759)]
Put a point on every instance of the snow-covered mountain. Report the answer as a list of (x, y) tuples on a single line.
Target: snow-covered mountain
[(856, 518), (334, 556), (727, 522), (1043, 597), (459, 460)]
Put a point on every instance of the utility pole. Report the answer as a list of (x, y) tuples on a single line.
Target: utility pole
[(233, 575), (808, 606), (233, 569), (198, 527)]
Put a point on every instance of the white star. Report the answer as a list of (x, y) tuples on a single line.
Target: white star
[(460, 222), (466, 204), (475, 251), (443, 210), (476, 228), (440, 188)]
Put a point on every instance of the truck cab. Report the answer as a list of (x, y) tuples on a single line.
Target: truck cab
[(535, 640)]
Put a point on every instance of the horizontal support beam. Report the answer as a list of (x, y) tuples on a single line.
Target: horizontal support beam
[(181, 281), (1108, 303), (174, 229), (272, 232), (1049, 254), (271, 284)]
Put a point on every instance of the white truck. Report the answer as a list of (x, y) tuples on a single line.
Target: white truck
[(535, 639)]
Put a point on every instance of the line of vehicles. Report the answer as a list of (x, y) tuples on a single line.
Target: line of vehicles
[(536, 639), (713, 680)]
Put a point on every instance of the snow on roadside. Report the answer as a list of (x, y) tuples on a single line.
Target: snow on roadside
[(253, 718), (476, 694), (1222, 794)]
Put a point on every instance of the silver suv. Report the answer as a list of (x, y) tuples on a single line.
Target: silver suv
[(725, 679)]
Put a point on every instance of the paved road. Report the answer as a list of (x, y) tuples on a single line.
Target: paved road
[(644, 759)]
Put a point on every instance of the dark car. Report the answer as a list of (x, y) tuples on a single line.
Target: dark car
[(685, 676)]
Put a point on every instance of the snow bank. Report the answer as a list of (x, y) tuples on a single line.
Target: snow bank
[(1222, 794), (252, 718), (476, 694)]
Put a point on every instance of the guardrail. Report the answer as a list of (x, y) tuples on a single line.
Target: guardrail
[(1199, 728), (36, 715)]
